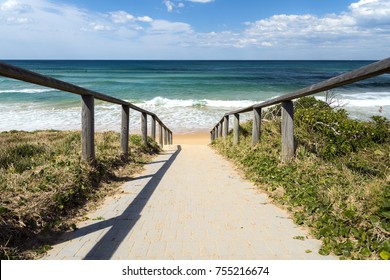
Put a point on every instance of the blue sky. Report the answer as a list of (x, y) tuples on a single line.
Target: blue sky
[(194, 29)]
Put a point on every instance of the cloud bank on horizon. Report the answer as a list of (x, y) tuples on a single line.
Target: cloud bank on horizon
[(49, 29)]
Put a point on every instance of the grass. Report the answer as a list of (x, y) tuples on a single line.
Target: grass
[(45, 185), (340, 189)]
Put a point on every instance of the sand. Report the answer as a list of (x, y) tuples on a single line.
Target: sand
[(193, 138)]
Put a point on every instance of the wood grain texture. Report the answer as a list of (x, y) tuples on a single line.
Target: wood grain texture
[(288, 151), (144, 128), (125, 130), (256, 128), (225, 126), (87, 128), (236, 129)]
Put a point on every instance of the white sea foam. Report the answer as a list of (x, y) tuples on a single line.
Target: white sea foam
[(354, 101), (174, 103), (366, 99), (108, 117), (26, 90), (179, 115)]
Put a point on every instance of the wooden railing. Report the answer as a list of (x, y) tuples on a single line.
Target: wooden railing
[(87, 110), (221, 129)]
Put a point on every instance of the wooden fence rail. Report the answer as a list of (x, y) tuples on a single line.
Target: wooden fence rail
[(87, 110), (366, 72)]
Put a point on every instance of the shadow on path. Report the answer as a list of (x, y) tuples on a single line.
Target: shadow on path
[(122, 225)]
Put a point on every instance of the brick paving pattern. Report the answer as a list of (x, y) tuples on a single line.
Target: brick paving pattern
[(189, 203)]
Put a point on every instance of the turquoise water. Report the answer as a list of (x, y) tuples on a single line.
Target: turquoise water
[(187, 95)]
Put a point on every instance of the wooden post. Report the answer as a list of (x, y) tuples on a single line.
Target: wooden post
[(165, 136), (212, 135), (153, 129), (256, 128), (88, 128), (236, 128), (125, 130), (215, 132), (225, 126), (287, 131), (144, 128), (220, 126), (161, 136)]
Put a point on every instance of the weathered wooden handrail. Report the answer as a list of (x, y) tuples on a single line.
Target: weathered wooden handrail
[(366, 72), (87, 97)]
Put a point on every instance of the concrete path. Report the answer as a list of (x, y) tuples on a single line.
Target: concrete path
[(189, 203)]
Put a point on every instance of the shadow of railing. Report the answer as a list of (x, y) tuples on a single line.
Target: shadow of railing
[(121, 225)]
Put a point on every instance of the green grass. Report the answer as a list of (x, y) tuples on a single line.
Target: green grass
[(339, 183), (44, 184)]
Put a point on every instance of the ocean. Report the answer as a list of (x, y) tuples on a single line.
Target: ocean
[(188, 96)]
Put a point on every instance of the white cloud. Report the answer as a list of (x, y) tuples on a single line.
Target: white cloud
[(47, 29), (169, 5), (172, 4), (17, 20), (371, 8), (298, 27), (170, 27), (14, 6), (53, 30), (375, 11), (345, 30), (98, 27), (14, 12), (121, 17), (145, 19)]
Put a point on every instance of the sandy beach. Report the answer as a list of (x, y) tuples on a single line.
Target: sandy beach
[(193, 138)]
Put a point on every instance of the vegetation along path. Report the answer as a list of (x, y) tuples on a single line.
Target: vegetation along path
[(189, 203)]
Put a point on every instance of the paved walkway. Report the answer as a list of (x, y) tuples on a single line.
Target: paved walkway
[(189, 203)]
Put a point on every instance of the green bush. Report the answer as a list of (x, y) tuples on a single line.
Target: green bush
[(331, 133)]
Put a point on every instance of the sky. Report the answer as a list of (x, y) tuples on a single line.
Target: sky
[(195, 29)]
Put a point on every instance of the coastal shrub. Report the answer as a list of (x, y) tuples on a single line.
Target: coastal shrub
[(331, 133), (341, 191), (310, 102), (44, 182), (272, 113)]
